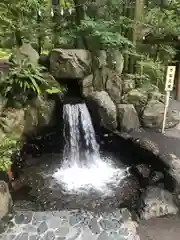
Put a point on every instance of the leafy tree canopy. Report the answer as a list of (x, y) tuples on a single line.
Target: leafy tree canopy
[(93, 25)]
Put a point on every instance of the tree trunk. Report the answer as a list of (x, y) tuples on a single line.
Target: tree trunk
[(125, 32), (56, 27), (136, 34), (39, 34), (131, 34), (80, 15), (18, 38)]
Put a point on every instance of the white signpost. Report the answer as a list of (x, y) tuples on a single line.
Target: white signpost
[(170, 74)]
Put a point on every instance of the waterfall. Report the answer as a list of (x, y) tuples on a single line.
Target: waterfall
[(81, 146), (83, 169)]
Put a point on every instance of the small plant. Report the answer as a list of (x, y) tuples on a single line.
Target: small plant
[(7, 147), (26, 79), (151, 72)]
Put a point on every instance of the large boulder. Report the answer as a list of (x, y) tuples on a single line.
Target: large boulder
[(146, 144), (153, 92), (128, 85), (137, 97), (103, 109), (127, 117), (115, 60), (108, 80), (100, 78), (174, 166), (128, 192), (99, 59), (153, 113), (70, 63), (5, 200), (156, 202), (24, 52), (156, 95), (87, 85), (114, 86), (129, 82), (12, 121), (24, 122), (38, 114)]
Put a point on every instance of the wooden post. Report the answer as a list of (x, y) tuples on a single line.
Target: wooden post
[(165, 110), (170, 74)]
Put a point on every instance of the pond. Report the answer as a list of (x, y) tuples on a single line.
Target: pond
[(91, 190)]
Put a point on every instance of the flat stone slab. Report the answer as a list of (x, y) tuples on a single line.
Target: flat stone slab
[(70, 225), (168, 143), (165, 228)]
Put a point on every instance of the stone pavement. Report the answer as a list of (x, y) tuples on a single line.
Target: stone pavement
[(71, 225), (166, 228)]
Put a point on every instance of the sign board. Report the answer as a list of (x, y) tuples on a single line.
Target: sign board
[(170, 78), (170, 74)]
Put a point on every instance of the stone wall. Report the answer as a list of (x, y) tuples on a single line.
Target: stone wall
[(115, 98), (17, 119)]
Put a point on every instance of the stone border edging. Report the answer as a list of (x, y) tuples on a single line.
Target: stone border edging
[(167, 163)]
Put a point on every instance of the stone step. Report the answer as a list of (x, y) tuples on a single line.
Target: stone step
[(70, 225)]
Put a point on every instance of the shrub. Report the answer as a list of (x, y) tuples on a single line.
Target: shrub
[(9, 145), (26, 80)]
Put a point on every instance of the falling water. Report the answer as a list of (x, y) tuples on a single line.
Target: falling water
[(83, 169), (81, 146)]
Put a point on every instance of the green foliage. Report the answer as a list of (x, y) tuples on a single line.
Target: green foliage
[(98, 24), (162, 22), (9, 145), (104, 34), (152, 72), (16, 16), (102, 30), (25, 79), (162, 25)]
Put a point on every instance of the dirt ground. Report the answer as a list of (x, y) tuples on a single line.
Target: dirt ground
[(166, 228)]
